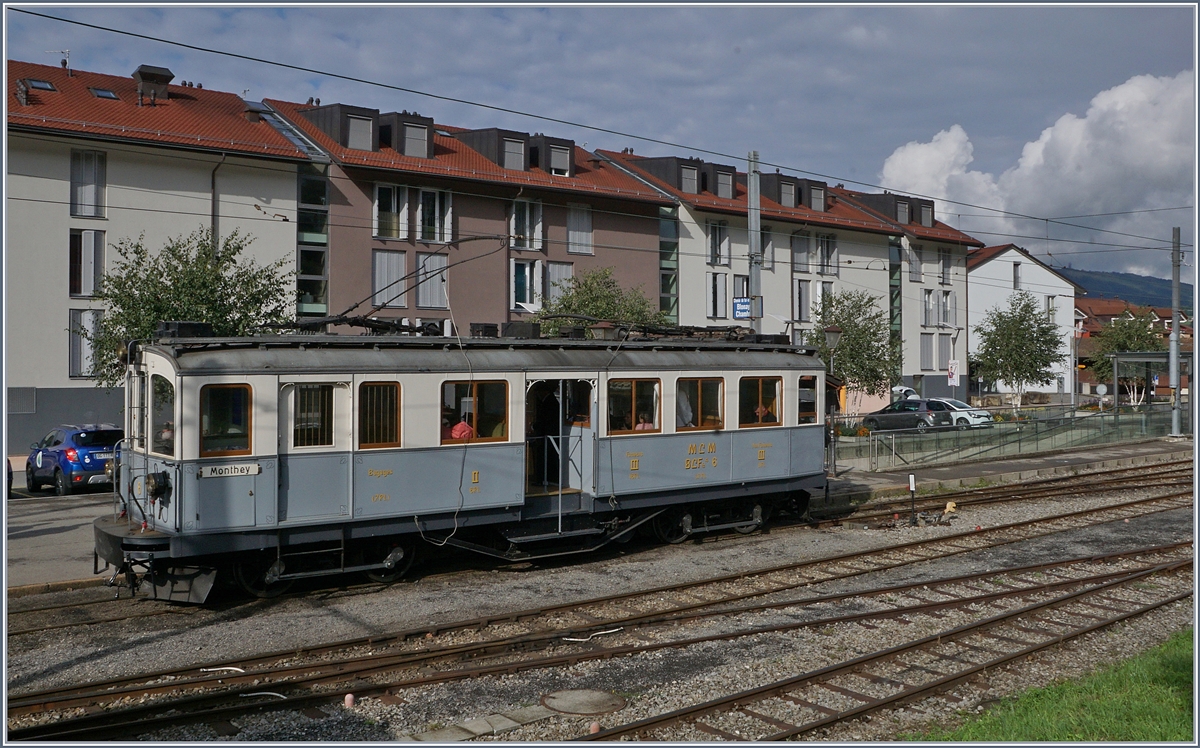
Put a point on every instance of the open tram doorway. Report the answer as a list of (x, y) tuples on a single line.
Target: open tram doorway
[(559, 437)]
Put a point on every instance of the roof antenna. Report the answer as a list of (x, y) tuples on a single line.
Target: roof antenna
[(66, 61)]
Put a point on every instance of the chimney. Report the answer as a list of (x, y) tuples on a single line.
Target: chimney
[(153, 82)]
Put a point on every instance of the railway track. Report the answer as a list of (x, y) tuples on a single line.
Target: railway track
[(821, 698), (24, 621), (596, 615)]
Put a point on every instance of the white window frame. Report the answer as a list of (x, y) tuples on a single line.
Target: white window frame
[(927, 314), (802, 252), (88, 183), (409, 140), (1050, 309), (509, 154), (717, 302), (787, 194), (565, 154), (827, 254), (821, 289), (534, 272), (432, 282), (903, 212), (557, 273), (816, 199), (950, 308), (927, 215), (1016, 276), (579, 229), (689, 176), (532, 210), (91, 268), (444, 226), (767, 246), (80, 356), (801, 300), (399, 202), (718, 243), (916, 264), (946, 265), (389, 287), (725, 182)]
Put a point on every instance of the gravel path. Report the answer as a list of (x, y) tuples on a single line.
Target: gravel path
[(652, 683)]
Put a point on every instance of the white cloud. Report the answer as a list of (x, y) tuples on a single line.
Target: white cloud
[(1133, 150)]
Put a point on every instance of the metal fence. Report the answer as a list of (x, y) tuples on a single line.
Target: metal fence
[(1033, 430)]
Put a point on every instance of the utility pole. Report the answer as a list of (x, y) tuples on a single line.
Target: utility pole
[(754, 229), (1176, 260)]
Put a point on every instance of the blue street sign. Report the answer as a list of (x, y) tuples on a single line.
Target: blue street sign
[(741, 307)]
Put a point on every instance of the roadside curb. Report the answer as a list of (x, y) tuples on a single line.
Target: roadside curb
[(853, 497), (42, 588)]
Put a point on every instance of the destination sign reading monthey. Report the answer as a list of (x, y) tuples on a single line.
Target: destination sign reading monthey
[(229, 471)]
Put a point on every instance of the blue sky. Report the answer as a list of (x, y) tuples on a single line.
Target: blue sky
[(1041, 111)]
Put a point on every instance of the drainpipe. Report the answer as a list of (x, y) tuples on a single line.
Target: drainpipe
[(213, 199)]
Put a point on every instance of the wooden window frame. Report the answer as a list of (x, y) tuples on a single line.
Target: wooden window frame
[(778, 402), (296, 386), (249, 419), (475, 438), (399, 424), (633, 405), (697, 406)]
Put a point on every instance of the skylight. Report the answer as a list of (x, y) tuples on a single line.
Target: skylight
[(103, 93), (40, 85)]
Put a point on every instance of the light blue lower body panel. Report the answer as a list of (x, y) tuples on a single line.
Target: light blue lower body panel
[(808, 449), (314, 486), (399, 483), (639, 464)]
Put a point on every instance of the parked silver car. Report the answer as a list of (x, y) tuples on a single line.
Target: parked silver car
[(965, 415), (912, 413)]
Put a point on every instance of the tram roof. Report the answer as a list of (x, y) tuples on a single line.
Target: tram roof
[(408, 354)]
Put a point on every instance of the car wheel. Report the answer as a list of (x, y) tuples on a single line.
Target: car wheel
[(962, 424), (922, 427), (61, 486), (31, 483)]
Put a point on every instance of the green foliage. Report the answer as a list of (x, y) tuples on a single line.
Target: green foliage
[(1147, 698), (1125, 334), (1018, 345), (596, 293), (866, 356), (185, 280)]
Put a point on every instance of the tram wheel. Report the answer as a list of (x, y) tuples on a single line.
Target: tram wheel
[(669, 526), (251, 575), (388, 576)]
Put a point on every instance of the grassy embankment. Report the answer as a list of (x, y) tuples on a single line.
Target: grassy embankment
[(1148, 698)]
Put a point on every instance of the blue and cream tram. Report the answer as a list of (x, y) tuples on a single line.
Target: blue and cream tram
[(286, 456)]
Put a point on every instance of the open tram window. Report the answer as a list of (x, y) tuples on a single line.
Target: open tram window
[(378, 414), (579, 403), (474, 412), (162, 415), (224, 420), (698, 404), (312, 415), (758, 401), (633, 406), (808, 400)]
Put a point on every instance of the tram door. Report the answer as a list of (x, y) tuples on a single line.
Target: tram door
[(314, 450), (559, 438)]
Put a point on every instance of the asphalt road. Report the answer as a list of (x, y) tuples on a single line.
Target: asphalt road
[(50, 537)]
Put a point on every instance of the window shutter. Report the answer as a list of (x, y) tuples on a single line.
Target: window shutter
[(537, 225), (954, 308), (402, 211), (800, 259), (722, 303), (539, 274), (375, 214), (512, 221), (87, 275), (710, 229), (710, 288), (74, 356), (512, 284), (447, 216), (833, 255)]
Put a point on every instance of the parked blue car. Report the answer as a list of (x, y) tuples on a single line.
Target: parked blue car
[(70, 457)]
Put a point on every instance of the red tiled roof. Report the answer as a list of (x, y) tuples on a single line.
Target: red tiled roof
[(188, 117), (840, 215), (938, 232), (454, 159)]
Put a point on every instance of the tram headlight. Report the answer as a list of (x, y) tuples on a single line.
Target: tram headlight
[(157, 483)]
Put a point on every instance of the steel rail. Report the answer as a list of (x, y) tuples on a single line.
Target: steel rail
[(779, 688), (119, 722)]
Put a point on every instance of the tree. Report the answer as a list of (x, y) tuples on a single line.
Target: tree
[(188, 279), (866, 357), (1126, 334), (1019, 345), (596, 293)]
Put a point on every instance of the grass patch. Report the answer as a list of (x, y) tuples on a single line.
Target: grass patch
[(1147, 698)]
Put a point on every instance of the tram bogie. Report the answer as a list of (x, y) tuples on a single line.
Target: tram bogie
[(277, 458)]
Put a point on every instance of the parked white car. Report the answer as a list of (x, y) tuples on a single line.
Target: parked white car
[(965, 415)]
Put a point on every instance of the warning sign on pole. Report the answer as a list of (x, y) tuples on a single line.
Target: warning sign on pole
[(952, 373)]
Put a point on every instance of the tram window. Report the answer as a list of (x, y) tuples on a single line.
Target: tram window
[(312, 415), (633, 406), (698, 404), (137, 420), (758, 401), (378, 414), (474, 412), (579, 403), (808, 400), (224, 420), (162, 416)]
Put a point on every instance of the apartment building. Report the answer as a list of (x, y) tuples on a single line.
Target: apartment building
[(94, 159), (433, 224)]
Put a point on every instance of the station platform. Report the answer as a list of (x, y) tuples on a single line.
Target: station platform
[(50, 538)]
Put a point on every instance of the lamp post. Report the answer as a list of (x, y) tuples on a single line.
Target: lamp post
[(833, 334)]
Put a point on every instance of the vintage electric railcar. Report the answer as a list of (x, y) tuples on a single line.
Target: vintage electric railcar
[(279, 457)]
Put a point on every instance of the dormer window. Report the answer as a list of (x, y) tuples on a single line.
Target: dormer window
[(40, 85), (560, 161), (817, 198), (514, 155), (687, 179), (103, 93), (902, 212), (416, 141), (927, 215), (787, 195), (725, 185), (360, 136)]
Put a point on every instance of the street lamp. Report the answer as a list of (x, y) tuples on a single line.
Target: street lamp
[(833, 334)]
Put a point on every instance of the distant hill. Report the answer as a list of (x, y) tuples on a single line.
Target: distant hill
[(1140, 290)]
